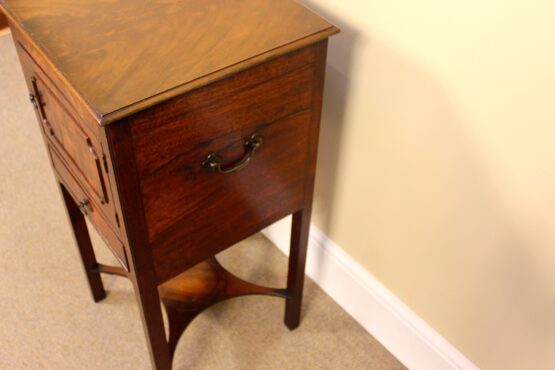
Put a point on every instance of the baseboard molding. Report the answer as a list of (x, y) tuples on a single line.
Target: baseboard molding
[(379, 311)]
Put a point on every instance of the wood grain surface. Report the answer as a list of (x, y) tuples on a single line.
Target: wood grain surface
[(122, 56)]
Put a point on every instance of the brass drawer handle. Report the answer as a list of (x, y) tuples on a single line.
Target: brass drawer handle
[(85, 206), (214, 163)]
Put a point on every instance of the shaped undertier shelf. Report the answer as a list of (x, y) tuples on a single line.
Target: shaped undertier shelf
[(190, 293)]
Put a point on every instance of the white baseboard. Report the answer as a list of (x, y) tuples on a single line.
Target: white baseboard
[(417, 345)]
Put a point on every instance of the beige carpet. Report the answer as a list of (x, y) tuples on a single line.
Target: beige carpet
[(49, 321)]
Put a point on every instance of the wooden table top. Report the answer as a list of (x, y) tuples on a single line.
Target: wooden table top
[(122, 56)]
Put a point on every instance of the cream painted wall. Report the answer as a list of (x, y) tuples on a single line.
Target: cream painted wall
[(437, 165)]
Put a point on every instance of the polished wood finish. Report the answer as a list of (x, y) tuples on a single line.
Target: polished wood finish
[(200, 287), (202, 41), (184, 84), (226, 206)]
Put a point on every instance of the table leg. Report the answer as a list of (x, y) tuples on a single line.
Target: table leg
[(297, 261), (148, 299), (83, 241)]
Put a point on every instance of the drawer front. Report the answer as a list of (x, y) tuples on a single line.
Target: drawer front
[(196, 208), (188, 188), (76, 142), (89, 206), (190, 206), (64, 130)]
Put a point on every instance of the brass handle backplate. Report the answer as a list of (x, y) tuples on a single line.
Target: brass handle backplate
[(213, 161)]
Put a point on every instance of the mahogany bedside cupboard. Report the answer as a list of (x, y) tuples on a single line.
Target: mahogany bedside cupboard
[(179, 128)]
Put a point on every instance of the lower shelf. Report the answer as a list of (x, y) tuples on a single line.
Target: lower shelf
[(190, 293)]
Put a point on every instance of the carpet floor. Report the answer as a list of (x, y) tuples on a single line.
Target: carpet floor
[(49, 321)]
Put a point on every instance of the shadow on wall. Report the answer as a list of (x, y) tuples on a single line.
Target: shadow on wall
[(407, 187), (337, 87)]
